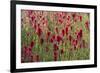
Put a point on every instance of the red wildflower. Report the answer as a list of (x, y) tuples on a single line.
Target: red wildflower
[(87, 24), (62, 51), (63, 32), (80, 18), (66, 30), (39, 31), (55, 47), (60, 21), (53, 37), (74, 43), (30, 49), (55, 55), (79, 35), (70, 38), (51, 40), (59, 38), (48, 35), (55, 58), (33, 18), (32, 44)]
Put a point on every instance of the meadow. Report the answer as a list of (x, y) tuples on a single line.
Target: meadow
[(54, 36)]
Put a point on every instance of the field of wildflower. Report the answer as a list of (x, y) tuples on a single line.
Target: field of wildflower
[(54, 36)]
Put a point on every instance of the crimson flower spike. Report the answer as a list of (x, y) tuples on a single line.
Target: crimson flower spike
[(60, 21), (81, 33), (70, 38), (33, 18), (48, 33), (55, 47), (62, 51), (51, 40), (55, 55), (87, 24), (63, 32), (32, 44), (59, 38), (66, 30), (39, 31), (80, 18), (54, 37)]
